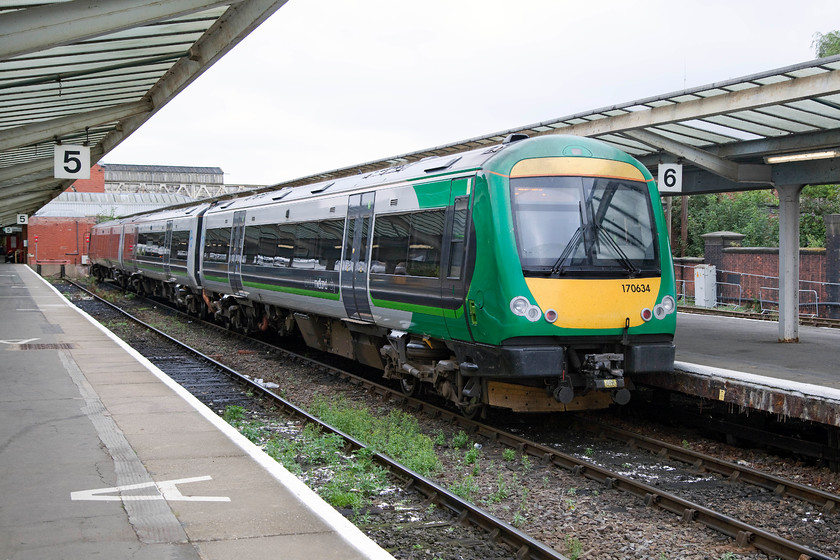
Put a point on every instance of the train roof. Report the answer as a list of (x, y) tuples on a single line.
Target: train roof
[(427, 168), (514, 147), (159, 215)]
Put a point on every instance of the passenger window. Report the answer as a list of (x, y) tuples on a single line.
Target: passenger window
[(151, 246), (307, 245), (408, 244), (217, 245), (390, 244), (180, 244)]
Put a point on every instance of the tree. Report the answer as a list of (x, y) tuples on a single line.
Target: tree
[(826, 44), (816, 202), (751, 213), (755, 214)]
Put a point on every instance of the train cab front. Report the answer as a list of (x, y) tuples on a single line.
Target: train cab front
[(594, 303)]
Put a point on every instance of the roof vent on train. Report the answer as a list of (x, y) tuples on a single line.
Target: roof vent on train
[(442, 165), (322, 188), (515, 137), (282, 194)]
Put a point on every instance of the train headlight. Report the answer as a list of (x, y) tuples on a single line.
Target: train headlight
[(668, 304), (533, 314), (519, 305), (659, 312)]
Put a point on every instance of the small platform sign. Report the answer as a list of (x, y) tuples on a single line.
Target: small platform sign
[(670, 178), (71, 162)]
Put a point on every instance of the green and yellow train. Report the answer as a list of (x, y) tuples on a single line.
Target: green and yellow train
[(534, 275)]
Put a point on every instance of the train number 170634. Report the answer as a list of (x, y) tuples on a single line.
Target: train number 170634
[(635, 288)]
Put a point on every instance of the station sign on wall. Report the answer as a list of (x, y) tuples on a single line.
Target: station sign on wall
[(71, 162)]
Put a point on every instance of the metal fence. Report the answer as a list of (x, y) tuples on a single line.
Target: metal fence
[(740, 290)]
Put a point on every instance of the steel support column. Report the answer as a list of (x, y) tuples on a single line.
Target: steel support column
[(789, 262)]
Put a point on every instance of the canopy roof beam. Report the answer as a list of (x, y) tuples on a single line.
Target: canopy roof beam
[(827, 83), (35, 29), (46, 130), (234, 25), (728, 169)]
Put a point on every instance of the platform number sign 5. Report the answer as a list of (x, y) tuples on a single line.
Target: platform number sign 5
[(670, 178), (71, 162)]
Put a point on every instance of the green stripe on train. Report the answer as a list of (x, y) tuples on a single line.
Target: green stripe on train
[(415, 308), (150, 266)]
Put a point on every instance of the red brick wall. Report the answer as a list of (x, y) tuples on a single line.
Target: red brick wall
[(96, 183), (60, 240), (755, 263), (752, 268)]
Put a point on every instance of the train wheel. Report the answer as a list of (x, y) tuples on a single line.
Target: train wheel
[(474, 411), (410, 386)]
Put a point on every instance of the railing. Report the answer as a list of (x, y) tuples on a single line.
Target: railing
[(681, 295), (769, 300), (744, 290), (726, 294)]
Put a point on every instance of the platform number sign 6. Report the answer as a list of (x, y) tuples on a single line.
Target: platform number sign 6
[(71, 162), (670, 178)]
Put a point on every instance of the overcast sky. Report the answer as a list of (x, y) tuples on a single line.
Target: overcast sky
[(324, 84)]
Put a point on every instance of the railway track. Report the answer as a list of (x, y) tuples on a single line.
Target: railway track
[(743, 533), (199, 372), (702, 462), (803, 320)]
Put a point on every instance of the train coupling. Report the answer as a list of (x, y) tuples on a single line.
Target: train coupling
[(605, 372)]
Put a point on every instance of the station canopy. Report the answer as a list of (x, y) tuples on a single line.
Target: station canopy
[(773, 128), (91, 72)]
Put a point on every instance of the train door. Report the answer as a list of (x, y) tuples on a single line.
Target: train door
[(354, 267), (455, 259), (167, 249), (237, 235)]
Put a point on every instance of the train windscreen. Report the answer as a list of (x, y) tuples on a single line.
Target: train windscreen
[(581, 226)]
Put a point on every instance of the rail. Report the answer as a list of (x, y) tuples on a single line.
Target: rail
[(733, 471)]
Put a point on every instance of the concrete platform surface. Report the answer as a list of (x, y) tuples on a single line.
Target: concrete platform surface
[(103, 456), (751, 346)]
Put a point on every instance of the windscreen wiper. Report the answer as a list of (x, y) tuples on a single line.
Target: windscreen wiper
[(622, 256), (558, 265)]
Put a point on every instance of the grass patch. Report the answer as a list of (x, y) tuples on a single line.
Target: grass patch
[(460, 440), (397, 434), (465, 488), (349, 481), (233, 413), (574, 547)]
